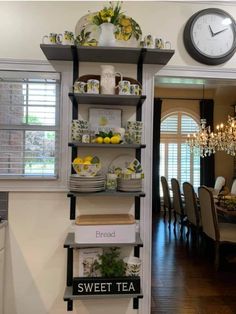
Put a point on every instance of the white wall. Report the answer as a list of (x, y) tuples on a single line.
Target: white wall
[(25, 23), (38, 222)]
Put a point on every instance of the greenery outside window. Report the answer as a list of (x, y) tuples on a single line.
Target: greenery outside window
[(29, 124), (176, 161)]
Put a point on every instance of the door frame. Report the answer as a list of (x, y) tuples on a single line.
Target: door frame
[(216, 74)]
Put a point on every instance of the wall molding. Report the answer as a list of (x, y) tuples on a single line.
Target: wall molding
[(198, 72)]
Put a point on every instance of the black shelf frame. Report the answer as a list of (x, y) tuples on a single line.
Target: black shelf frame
[(138, 56), (104, 54)]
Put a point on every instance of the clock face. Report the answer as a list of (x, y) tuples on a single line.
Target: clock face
[(210, 36)]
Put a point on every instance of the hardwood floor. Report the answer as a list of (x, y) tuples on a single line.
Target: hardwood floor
[(183, 277)]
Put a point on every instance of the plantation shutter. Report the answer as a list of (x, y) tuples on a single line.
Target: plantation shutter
[(29, 124), (176, 161)]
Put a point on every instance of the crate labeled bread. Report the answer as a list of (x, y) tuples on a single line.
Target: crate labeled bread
[(118, 228)]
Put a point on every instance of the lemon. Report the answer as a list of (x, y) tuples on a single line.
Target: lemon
[(88, 158), (99, 140), (115, 139), (87, 162), (78, 160), (107, 140)]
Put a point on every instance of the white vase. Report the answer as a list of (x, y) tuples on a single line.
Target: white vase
[(107, 37)]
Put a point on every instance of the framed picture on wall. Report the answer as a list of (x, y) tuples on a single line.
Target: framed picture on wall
[(103, 119), (87, 257)]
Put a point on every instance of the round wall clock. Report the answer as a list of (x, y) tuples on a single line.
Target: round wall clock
[(210, 36)]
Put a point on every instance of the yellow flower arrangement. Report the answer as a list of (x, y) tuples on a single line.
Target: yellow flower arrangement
[(125, 26), (108, 14)]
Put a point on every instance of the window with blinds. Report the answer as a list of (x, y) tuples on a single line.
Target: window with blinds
[(176, 161), (29, 124)]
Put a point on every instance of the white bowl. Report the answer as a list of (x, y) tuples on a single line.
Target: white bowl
[(86, 170)]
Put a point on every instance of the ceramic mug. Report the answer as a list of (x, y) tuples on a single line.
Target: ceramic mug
[(111, 182), (134, 125), (148, 41), (78, 128), (124, 88), (135, 89), (68, 38), (79, 87), (162, 44), (133, 266), (93, 86), (52, 39)]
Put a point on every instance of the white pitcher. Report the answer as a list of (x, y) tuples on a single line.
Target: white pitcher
[(108, 79)]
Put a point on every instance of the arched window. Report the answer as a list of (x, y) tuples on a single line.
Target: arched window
[(176, 161)]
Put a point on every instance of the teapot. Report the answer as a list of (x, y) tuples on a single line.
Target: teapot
[(108, 79)]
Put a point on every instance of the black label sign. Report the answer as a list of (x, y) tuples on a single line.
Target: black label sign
[(100, 285)]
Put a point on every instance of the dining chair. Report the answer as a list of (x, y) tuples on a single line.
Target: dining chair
[(191, 208), (220, 233), (166, 197), (232, 192), (177, 202), (219, 185)]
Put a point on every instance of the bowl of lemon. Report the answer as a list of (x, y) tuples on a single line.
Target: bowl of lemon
[(87, 166)]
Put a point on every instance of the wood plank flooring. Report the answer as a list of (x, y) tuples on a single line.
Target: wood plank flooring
[(183, 277)]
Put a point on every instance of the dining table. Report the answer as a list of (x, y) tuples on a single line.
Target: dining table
[(228, 214)]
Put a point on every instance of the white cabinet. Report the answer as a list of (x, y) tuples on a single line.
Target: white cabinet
[(2, 257)]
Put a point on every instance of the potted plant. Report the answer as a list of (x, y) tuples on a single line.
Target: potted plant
[(110, 264)]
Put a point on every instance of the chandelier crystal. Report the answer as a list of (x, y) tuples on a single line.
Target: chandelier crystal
[(207, 142)]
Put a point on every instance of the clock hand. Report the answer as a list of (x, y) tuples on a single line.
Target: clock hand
[(212, 33), (220, 32)]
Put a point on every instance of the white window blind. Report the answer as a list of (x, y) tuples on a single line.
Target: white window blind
[(29, 124), (170, 124), (176, 161)]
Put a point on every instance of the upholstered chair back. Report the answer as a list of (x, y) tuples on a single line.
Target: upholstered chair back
[(208, 213), (219, 184), (191, 208), (233, 188), (166, 192), (177, 201)]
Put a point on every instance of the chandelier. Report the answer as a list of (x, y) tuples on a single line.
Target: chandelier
[(207, 142)]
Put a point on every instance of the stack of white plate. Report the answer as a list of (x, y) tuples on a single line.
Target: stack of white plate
[(132, 185), (86, 184)]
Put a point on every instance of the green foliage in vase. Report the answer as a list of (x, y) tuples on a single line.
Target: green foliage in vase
[(83, 39), (110, 264)]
